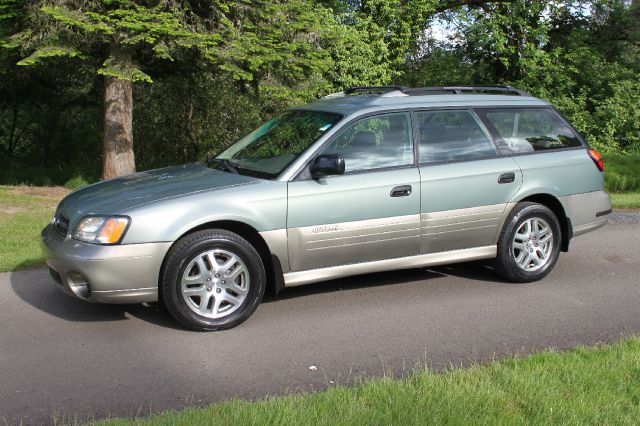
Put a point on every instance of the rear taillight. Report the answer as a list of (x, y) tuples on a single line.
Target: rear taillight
[(597, 159)]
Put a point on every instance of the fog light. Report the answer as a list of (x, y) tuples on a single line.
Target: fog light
[(79, 284)]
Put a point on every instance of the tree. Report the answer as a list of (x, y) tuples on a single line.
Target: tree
[(118, 35), (220, 67), (271, 45), (398, 25)]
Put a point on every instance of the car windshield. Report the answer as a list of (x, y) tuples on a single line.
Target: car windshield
[(269, 149)]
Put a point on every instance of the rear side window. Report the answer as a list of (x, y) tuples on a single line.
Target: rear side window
[(452, 136), (522, 130)]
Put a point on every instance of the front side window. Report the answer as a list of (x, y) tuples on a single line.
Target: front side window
[(269, 149), (375, 142), (524, 130), (452, 136)]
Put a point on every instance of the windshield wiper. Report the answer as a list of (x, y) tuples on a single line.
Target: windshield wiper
[(227, 164)]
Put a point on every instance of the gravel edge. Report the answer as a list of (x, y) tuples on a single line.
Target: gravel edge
[(624, 217)]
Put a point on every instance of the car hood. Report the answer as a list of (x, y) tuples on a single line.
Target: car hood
[(123, 193)]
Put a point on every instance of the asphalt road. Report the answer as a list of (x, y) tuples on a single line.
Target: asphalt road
[(62, 359)]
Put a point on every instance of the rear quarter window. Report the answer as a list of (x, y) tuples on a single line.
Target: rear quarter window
[(523, 130)]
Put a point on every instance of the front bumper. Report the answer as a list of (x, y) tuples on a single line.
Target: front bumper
[(125, 273)]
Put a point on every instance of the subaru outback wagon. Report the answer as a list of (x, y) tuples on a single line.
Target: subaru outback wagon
[(369, 179)]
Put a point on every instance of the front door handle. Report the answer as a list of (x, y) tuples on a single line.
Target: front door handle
[(507, 177), (401, 191)]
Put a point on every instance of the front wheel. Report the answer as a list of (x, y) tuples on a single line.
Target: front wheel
[(529, 244), (212, 280)]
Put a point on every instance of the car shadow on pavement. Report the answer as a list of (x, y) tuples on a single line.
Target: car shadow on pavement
[(479, 271), (387, 278), (38, 290)]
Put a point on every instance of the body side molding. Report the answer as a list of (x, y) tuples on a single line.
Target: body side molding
[(293, 279)]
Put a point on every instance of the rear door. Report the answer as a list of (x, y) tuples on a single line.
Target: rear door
[(372, 212), (466, 183)]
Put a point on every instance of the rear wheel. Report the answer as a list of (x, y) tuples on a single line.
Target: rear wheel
[(529, 244), (212, 280)]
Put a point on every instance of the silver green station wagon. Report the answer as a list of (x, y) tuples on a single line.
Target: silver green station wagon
[(366, 180)]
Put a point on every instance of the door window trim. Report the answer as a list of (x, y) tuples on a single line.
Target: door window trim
[(300, 174)]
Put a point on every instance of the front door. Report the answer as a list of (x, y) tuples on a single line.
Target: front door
[(372, 212)]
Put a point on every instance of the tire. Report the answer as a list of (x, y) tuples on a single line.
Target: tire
[(529, 243), (204, 296)]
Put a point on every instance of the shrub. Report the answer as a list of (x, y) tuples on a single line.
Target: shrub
[(76, 182)]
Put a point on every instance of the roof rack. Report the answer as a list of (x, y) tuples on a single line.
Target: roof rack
[(461, 89), (437, 90), (355, 89)]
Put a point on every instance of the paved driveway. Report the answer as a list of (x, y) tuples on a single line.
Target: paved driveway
[(62, 357)]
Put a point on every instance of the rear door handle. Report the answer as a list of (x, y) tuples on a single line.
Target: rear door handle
[(401, 191), (507, 177)]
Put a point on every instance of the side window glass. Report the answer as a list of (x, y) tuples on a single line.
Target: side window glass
[(452, 136), (375, 142), (530, 129)]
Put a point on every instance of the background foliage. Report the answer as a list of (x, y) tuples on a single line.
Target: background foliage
[(255, 59)]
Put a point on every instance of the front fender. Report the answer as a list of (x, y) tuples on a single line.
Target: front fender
[(262, 206)]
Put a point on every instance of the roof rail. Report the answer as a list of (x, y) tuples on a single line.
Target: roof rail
[(437, 90), (461, 89), (354, 89)]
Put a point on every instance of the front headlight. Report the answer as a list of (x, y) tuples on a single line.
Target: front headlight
[(101, 229)]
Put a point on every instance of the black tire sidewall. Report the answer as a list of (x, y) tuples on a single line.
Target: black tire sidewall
[(506, 264), (184, 251)]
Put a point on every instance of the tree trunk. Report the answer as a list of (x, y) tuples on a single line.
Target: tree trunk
[(118, 156)]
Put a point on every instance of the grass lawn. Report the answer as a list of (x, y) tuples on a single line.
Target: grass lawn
[(595, 386), (24, 211), (629, 200)]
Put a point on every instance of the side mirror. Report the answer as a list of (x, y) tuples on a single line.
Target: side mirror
[(327, 165)]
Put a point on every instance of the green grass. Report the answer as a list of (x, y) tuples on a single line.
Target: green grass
[(598, 385), (24, 211), (622, 172), (629, 200)]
